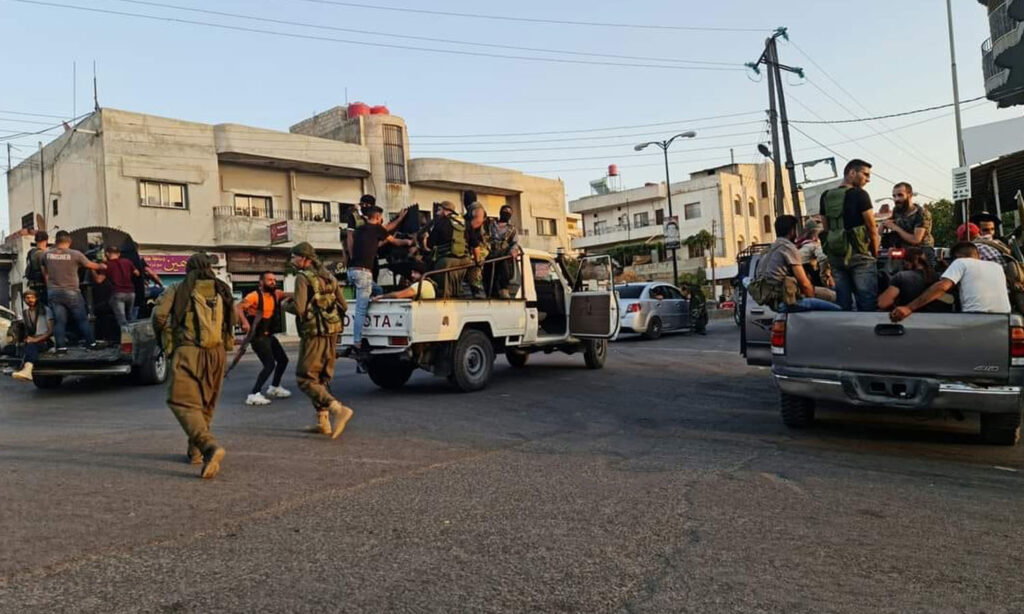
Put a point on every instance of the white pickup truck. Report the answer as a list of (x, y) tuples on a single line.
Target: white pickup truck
[(458, 338)]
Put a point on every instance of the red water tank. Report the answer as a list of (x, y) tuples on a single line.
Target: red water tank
[(613, 170), (379, 110), (356, 109)]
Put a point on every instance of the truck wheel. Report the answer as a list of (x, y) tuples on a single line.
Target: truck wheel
[(388, 372), (797, 412), (153, 371), (595, 351), (473, 361), (653, 328), (517, 358), (1000, 429), (46, 382)]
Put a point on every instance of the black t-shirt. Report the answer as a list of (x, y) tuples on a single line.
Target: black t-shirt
[(912, 285), (855, 203), (365, 244)]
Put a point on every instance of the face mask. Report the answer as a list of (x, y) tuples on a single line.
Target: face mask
[(505, 216)]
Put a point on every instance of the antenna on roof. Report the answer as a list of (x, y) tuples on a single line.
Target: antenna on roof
[(95, 92)]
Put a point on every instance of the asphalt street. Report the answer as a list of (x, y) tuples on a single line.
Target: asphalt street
[(662, 483)]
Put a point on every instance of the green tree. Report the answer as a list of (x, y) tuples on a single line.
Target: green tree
[(702, 239), (943, 222)]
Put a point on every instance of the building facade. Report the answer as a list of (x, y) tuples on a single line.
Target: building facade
[(733, 202), (1002, 55)]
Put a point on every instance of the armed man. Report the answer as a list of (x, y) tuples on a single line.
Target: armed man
[(504, 242), (479, 242), (319, 307), (447, 243), (194, 320)]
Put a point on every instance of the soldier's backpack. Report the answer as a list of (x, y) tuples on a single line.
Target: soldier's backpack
[(767, 290), (33, 268), (203, 322), (325, 311), (841, 242)]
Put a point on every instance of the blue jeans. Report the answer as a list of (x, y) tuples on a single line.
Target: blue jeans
[(64, 303), (808, 304), (33, 350), (857, 280), (122, 304), (365, 287)]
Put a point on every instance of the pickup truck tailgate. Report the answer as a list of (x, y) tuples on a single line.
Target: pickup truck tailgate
[(384, 320), (961, 346)]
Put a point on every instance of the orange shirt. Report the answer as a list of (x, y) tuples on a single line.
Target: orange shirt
[(251, 300)]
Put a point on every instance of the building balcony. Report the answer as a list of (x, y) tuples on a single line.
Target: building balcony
[(613, 235), (282, 150), (995, 77), (587, 204), (1006, 34), (235, 229)]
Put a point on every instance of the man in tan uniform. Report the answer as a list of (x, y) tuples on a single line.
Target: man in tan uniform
[(319, 307), (194, 322)]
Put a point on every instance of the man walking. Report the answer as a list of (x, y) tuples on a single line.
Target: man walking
[(368, 239), (851, 238), (60, 266), (262, 309), (319, 308), (194, 321), (38, 321)]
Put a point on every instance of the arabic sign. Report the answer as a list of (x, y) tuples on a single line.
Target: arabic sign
[(172, 264), (279, 232), (257, 262)]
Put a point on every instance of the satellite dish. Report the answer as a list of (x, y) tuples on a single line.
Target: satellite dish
[(40, 222)]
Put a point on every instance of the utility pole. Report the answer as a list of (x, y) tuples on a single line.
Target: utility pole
[(8, 157), (773, 119), (714, 244), (42, 183), (664, 145), (961, 156), (786, 141)]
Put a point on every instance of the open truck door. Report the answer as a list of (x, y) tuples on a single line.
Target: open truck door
[(593, 305)]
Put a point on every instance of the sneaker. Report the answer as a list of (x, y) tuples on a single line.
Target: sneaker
[(61, 350), (257, 399), (278, 392)]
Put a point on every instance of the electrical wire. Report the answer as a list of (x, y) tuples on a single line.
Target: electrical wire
[(889, 116), (370, 44), (51, 116), (567, 147)]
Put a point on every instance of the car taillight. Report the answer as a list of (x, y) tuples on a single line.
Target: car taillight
[(126, 348), (398, 341), (633, 308), (897, 254), (1017, 346), (779, 337)]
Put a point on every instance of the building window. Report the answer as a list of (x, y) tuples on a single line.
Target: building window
[(56, 207), (163, 195), (28, 221), (764, 189), (691, 211), (600, 227), (254, 206), (624, 221), (659, 217), (767, 224), (314, 211), (737, 205), (752, 208), (642, 219), (546, 227), (696, 251), (394, 155)]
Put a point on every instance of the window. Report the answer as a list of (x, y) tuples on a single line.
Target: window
[(641, 219), (546, 227), (691, 211), (28, 221), (164, 195), (394, 155), (752, 208), (55, 206), (767, 224), (764, 189), (254, 206), (672, 293), (314, 211), (600, 227), (695, 251), (659, 217), (737, 205), (624, 221)]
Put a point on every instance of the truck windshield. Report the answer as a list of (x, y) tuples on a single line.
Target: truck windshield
[(629, 291)]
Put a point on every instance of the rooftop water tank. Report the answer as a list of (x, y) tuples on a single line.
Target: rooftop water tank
[(358, 108), (379, 110)]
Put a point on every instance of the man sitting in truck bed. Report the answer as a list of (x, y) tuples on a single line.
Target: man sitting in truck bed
[(783, 260), (982, 285)]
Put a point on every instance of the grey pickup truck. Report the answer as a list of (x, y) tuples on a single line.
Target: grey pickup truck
[(930, 362)]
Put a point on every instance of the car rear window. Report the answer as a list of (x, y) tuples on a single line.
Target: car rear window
[(629, 291)]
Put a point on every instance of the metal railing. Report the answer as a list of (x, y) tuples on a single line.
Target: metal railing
[(229, 211)]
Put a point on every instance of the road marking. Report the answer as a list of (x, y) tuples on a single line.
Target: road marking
[(693, 351)]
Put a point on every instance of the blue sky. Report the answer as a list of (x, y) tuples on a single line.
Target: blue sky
[(891, 56)]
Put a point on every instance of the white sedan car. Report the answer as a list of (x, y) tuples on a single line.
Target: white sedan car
[(652, 308)]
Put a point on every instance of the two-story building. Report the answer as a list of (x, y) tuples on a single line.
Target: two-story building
[(732, 202), (1002, 55)]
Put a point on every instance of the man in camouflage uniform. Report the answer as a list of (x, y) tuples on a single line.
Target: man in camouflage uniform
[(447, 244), (504, 242), (319, 307), (197, 349), (479, 242)]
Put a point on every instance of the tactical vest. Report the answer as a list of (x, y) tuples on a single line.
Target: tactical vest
[(33, 270), (840, 242), (202, 324), (324, 313), (458, 247)]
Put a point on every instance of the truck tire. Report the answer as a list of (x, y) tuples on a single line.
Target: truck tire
[(472, 361), (388, 372), (1000, 429), (517, 358), (153, 371), (797, 412), (654, 328), (47, 382), (595, 351)]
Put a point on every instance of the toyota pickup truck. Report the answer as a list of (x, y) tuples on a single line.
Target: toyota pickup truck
[(931, 362), (458, 338)]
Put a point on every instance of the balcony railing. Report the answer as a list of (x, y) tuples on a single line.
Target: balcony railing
[(1006, 31), (229, 211)]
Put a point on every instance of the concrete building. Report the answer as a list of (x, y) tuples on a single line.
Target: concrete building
[(179, 186), (1002, 55), (734, 200)]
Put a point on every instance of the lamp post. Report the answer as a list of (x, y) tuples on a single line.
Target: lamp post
[(664, 145)]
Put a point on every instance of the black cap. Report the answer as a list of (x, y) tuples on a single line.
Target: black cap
[(985, 216), (367, 199)]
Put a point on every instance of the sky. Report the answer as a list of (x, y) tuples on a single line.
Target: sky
[(620, 85)]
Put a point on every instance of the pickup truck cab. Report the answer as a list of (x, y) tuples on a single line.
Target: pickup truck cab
[(458, 338), (952, 362)]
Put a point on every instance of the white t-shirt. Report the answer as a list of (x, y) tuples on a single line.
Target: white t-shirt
[(982, 285)]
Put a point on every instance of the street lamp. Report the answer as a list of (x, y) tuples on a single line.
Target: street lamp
[(664, 145)]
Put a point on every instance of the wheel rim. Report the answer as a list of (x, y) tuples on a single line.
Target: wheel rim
[(600, 347), (475, 361), (656, 326)]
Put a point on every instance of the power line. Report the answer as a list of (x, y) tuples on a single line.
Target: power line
[(44, 130), (34, 114), (369, 44), (566, 147), (426, 38), (562, 22), (891, 115)]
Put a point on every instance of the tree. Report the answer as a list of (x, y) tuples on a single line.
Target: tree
[(702, 240), (943, 222)]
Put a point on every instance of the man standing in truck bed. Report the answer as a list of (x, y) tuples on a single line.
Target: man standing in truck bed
[(851, 238)]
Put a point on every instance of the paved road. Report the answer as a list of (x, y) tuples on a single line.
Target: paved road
[(664, 482)]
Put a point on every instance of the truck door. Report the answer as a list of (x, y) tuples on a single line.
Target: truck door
[(593, 305)]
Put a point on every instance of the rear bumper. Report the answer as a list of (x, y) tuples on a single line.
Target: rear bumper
[(879, 390), (118, 369), (632, 322)]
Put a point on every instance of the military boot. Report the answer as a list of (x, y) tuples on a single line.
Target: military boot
[(214, 455), (342, 415), (25, 374), (323, 422), (195, 456)]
